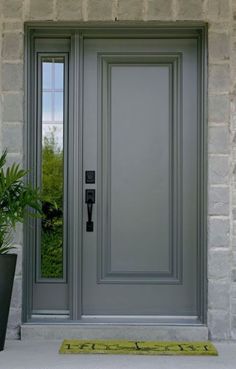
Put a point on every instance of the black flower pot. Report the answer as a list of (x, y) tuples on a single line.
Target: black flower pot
[(7, 272)]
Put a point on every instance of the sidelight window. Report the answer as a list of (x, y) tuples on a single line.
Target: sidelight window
[(51, 249)]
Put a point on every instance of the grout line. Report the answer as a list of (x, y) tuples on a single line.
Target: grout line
[(54, 10), (85, 10), (145, 9), (174, 9), (115, 10), (26, 10)]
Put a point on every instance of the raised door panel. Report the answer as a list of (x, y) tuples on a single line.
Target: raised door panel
[(140, 168)]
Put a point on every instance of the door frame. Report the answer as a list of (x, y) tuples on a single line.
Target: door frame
[(77, 32)]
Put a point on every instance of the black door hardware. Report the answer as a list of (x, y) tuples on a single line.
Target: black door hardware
[(90, 176), (89, 200)]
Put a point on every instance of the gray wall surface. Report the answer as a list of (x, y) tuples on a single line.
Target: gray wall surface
[(220, 16)]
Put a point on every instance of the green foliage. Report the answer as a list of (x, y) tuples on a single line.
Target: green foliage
[(17, 200), (52, 253), (52, 171), (52, 221)]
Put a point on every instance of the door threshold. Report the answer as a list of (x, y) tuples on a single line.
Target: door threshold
[(140, 320), (47, 318)]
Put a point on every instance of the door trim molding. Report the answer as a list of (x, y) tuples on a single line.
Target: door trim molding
[(76, 32), (172, 274)]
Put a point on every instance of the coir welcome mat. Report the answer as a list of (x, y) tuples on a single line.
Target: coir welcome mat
[(136, 347)]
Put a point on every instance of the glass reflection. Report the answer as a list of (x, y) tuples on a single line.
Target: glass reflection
[(59, 72), (47, 75), (47, 106), (59, 106), (52, 167)]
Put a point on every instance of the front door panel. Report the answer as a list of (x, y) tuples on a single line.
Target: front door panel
[(140, 136)]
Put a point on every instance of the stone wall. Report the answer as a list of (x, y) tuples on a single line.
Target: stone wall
[(220, 16)]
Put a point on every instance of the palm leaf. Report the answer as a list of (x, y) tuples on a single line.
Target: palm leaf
[(17, 200), (3, 159)]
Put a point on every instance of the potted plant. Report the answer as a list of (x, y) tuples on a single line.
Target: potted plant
[(17, 200)]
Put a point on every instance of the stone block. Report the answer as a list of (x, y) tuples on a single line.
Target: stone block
[(218, 295), (69, 10), (234, 171), (233, 326), (233, 102), (14, 323), (219, 46), (218, 140), (18, 234), (12, 8), (42, 9), (13, 27), (13, 333), (159, 9), (218, 235), (218, 109), (218, 201), (234, 251), (219, 26), (12, 77), (12, 46), (12, 137), (218, 264), (218, 323), (14, 158), (218, 170), (234, 275), (218, 9), (191, 9), (16, 300), (18, 250), (14, 319), (234, 43), (219, 78), (99, 10), (130, 10), (233, 307), (233, 193), (233, 291), (234, 214), (13, 108)]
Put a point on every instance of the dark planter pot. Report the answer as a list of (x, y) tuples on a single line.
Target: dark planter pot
[(7, 272)]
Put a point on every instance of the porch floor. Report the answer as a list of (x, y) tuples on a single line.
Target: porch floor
[(44, 355)]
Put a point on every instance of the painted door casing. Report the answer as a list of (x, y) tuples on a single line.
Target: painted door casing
[(51, 38)]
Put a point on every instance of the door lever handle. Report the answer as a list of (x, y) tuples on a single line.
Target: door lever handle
[(89, 200)]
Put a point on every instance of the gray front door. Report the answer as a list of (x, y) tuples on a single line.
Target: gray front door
[(140, 137)]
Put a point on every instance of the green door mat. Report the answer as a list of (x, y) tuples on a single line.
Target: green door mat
[(136, 347)]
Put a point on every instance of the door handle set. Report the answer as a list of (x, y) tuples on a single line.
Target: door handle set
[(89, 200)]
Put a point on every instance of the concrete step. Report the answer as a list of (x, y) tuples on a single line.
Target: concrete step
[(56, 331)]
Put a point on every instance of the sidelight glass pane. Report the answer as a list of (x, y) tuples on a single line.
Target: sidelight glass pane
[(59, 72), (47, 75), (58, 107), (47, 106), (52, 174)]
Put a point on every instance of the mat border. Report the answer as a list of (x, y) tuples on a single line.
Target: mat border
[(212, 349)]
